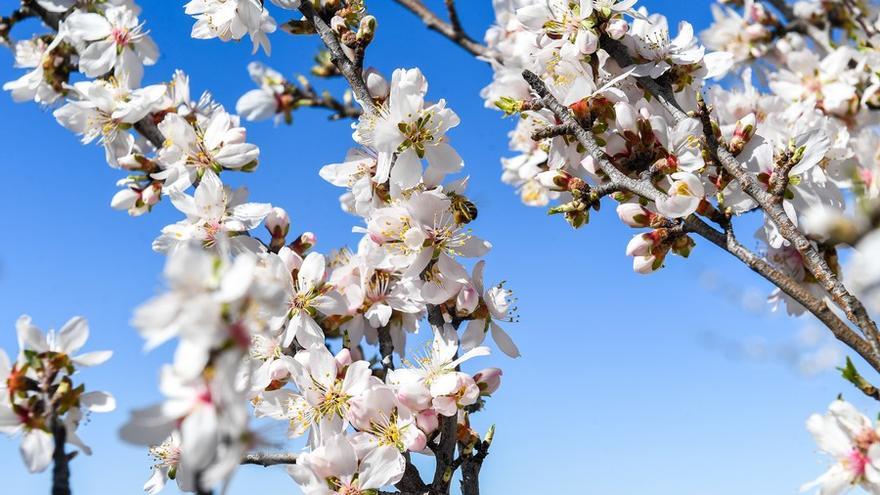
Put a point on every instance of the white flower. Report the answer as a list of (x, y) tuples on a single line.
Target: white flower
[(685, 194), (190, 150), (850, 438), (113, 41), (38, 84), (265, 102), (408, 130), (333, 468), (104, 110), (497, 306), (214, 214), (231, 20), (651, 36)]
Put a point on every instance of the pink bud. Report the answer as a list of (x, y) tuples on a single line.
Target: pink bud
[(616, 28), (634, 214), (555, 180), (343, 359), (152, 194), (640, 245), (488, 380), (277, 222), (428, 421), (644, 264), (467, 299)]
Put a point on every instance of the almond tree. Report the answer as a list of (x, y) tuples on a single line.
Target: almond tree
[(610, 106)]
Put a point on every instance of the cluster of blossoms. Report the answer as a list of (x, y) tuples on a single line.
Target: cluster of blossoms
[(254, 320), (40, 399), (792, 135), (807, 137)]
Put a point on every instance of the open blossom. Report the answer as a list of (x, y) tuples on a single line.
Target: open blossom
[(334, 468), (408, 130), (41, 84), (849, 437), (232, 20), (33, 401), (266, 101), (115, 41), (495, 307), (215, 214), (104, 110), (212, 145), (326, 391), (434, 382), (685, 194)]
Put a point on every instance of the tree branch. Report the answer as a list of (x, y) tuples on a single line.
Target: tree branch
[(694, 224), (813, 260), (346, 66), (60, 468), (267, 459), (451, 30)]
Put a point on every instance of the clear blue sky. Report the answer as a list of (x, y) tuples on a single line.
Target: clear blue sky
[(617, 390)]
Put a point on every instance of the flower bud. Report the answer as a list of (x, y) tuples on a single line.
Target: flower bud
[(343, 359), (625, 117), (277, 222), (645, 264), (488, 380), (640, 245), (428, 421), (304, 242), (467, 300), (376, 83), (125, 199), (616, 28), (152, 194), (555, 180), (366, 29), (634, 215)]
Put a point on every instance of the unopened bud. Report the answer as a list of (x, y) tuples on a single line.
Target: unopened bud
[(376, 83), (634, 215), (367, 29), (125, 199), (428, 421), (488, 380), (277, 222), (555, 180), (616, 28), (304, 242)]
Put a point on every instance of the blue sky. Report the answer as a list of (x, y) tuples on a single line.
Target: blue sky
[(675, 383)]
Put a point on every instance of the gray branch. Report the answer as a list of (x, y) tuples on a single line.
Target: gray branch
[(267, 459)]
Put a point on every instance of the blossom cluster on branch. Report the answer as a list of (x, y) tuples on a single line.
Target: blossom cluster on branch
[(610, 102), (255, 320)]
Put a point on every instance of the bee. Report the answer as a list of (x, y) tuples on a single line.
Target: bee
[(463, 211)]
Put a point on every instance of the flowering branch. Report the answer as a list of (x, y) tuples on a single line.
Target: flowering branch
[(346, 66), (692, 223)]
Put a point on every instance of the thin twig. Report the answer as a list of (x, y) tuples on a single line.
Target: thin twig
[(445, 28)]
